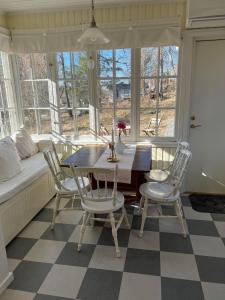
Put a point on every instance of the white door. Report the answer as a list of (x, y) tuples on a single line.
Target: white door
[(207, 170)]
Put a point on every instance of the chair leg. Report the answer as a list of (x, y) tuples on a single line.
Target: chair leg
[(57, 201), (114, 233), (144, 215), (86, 217), (178, 210), (141, 204), (126, 217)]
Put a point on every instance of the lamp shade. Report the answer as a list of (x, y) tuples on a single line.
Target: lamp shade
[(93, 36)]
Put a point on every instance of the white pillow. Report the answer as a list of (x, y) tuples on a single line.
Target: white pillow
[(10, 164), (8, 139), (24, 144)]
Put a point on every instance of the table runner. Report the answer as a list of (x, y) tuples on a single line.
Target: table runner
[(125, 163)]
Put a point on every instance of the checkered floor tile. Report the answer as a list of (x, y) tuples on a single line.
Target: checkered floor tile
[(160, 266)]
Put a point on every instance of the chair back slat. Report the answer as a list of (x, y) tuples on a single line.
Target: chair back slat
[(177, 176), (102, 177)]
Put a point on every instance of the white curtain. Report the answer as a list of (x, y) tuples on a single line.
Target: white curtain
[(4, 42), (37, 42)]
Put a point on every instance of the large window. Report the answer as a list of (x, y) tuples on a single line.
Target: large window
[(158, 89), (138, 86), (114, 87), (7, 107)]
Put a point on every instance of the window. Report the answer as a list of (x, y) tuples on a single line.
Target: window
[(72, 75), (35, 87), (114, 87), (7, 107), (158, 88)]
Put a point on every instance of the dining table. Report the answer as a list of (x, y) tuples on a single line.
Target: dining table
[(89, 154)]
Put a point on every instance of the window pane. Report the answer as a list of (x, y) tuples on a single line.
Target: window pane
[(5, 123), (67, 122), (80, 65), (167, 123), (124, 115), (149, 62), (45, 121), (167, 92), (169, 60), (123, 93), (3, 98), (63, 64), (27, 93), (65, 94), (24, 64), (148, 122), (30, 121), (105, 120), (105, 58), (82, 122), (123, 62), (42, 93), (81, 93), (40, 65), (105, 93), (148, 92)]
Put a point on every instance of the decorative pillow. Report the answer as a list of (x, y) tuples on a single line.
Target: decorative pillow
[(8, 139), (10, 164), (24, 144)]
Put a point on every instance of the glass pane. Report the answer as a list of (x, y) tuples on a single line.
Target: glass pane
[(30, 121), (169, 60), (80, 65), (1, 67), (24, 64), (40, 65), (148, 97), (106, 121), (42, 93), (3, 99), (63, 64), (123, 62), (5, 123), (123, 93), (105, 93), (65, 94), (81, 92), (27, 93), (82, 122), (149, 62), (148, 122), (124, 115), (166, 122), (167, 92), (105, 58), (67, 122), (45, 121)]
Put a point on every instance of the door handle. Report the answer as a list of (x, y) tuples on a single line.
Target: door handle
[(195, 126)]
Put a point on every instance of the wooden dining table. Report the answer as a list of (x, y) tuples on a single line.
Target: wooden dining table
[(88, 155)]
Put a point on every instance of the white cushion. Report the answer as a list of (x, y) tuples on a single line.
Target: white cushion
[(32, 168), (10, 164), (24, 144), (157, 175)]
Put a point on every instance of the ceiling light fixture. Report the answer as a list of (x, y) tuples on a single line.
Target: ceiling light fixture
[(93, 36)]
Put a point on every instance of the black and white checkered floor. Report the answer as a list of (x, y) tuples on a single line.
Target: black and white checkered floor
[(161, 265)]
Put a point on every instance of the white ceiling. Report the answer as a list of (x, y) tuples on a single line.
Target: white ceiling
[(22, 5)]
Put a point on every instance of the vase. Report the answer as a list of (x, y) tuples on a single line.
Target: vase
[(120, 146)]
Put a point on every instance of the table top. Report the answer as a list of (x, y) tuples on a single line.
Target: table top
[(88, 155)]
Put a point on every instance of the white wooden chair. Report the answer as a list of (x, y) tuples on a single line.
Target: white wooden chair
[(100, 201), (65, 186), (161, 175), (166, 193)]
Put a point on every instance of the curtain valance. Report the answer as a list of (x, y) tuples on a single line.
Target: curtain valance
[(52, 41)]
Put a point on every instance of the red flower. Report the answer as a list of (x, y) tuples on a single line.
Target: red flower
[(121, 125)]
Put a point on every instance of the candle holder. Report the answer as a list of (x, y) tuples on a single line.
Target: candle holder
[(112, 157)]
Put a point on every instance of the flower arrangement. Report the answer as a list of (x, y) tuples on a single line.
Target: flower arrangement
[(121, 125)]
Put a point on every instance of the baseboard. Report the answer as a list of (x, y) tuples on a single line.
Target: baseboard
[(6, 282)]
